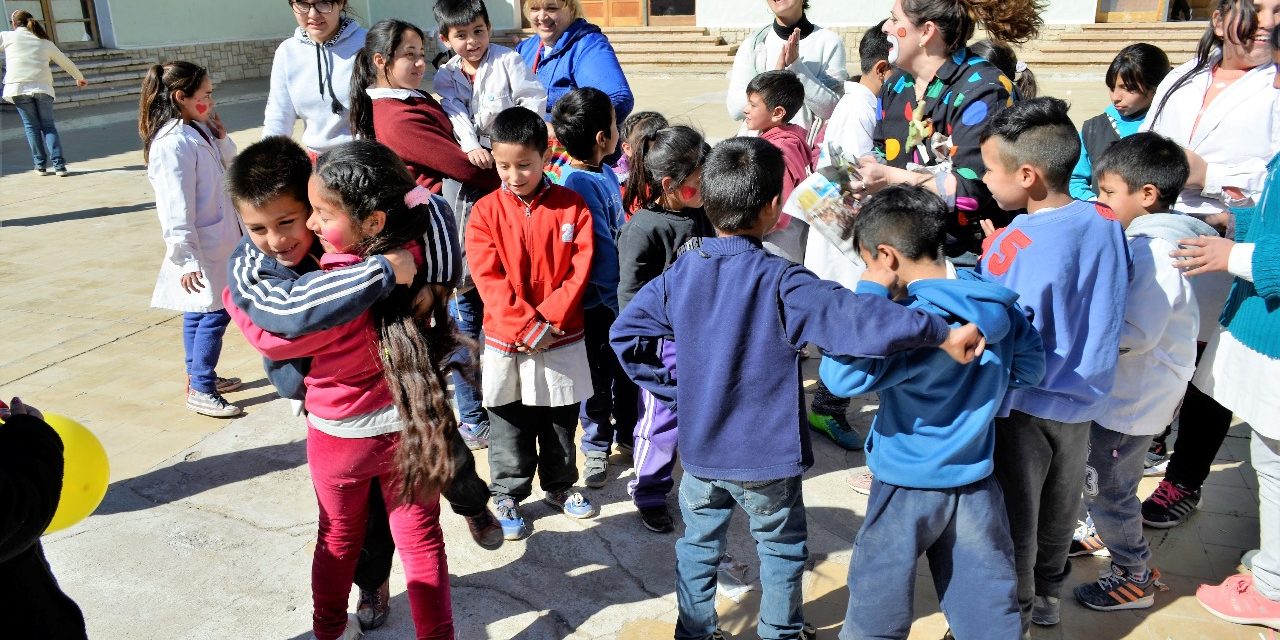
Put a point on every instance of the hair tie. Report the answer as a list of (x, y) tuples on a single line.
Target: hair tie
[(1020, 67), (13, 16), (417, 196)]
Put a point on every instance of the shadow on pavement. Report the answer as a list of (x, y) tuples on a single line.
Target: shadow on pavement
[(96, 212)]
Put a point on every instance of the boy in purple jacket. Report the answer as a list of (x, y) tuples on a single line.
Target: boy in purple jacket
[(740, 315), (1069, 263)]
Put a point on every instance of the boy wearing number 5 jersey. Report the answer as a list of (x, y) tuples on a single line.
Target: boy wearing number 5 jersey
[(1070, 265)]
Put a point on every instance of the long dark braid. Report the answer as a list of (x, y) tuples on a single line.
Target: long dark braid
[(416, 348)]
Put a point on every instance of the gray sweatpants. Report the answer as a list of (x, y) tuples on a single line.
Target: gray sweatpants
[(1040, 465), (1111, 494)]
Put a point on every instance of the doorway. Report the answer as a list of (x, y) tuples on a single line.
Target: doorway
[(71, 24), (672, 13), (614, 13)]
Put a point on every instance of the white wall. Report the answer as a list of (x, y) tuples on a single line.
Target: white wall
[(748, 13)]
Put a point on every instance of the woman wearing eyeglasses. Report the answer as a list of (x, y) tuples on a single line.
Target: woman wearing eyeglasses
[(311, 75)]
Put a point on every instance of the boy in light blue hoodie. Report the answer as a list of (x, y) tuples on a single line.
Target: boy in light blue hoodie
[(932, 441), (1069, 263)]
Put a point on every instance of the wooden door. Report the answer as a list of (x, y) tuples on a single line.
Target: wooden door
[(71, 24), (614, 13), (1132, 10)]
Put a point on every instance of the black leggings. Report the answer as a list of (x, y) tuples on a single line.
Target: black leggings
[(1202, 426), (468, 496)]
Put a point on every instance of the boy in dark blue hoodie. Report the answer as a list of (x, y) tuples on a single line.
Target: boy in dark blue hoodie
[(740, 316), (933, 440)]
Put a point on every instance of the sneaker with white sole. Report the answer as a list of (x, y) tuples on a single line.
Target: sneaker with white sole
[(1085, 542), (62, 172), (1045, 611), (41, 171), (1169, 505), (595, 469), (1117, 589), (509, 518), (860, 480), (226, 385), (211, 404), (1156, 460), (571, 502)]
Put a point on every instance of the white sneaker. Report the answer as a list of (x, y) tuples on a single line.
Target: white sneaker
[(211, 404)]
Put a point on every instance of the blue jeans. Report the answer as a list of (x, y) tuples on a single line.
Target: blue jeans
[(963, 532), (611, 413), (202, 341), (36, 111), (467, 310), (1111, 495), (775, 513)]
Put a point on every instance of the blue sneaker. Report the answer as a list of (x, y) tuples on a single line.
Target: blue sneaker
[(571, 502), (475, 435), (513, 525), (838, 429)]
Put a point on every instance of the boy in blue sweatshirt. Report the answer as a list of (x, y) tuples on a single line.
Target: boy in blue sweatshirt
[(585, 124), (1069, 264), (932, 441), (740, 316)]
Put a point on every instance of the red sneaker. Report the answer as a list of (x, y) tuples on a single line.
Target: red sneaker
[(1235, 600)]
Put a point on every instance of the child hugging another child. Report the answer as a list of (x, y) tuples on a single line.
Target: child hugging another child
[(186, 150), (529, 247), (275, 279), (932, 442), (1069, 263), (667, 178), (1140, 178), (481, 80), (376, 394), (1132, 79), (585, 124), (740, 315)]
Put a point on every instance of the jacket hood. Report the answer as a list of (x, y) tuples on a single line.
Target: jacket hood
[(576, 31), (789, 135), (1171, 227), (968, 298)]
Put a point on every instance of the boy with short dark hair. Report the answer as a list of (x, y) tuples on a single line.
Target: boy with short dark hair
[(740, 316), (1140, 178), (274, 276), (932, 441), (585, 124), (852, 124), (481, 79), (773, 97), (529, 247), (1069, 263)]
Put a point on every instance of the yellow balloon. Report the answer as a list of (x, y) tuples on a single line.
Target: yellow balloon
[(85, 473)]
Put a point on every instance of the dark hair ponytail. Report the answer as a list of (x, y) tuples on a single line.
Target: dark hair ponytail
[(1210, 42), (24, 19), (675, 152), (416, 348), (382, 38), (1006, 60), (156, 106)]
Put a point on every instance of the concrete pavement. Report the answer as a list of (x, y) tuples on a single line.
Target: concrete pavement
[(209, 525)]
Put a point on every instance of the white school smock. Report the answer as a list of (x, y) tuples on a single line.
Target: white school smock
[(198, 222), (502, 81)]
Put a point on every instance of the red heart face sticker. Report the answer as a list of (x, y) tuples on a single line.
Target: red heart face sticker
[(201, 108)]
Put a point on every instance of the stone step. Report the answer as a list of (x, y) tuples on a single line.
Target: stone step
[(1154, 37), (672, 48), (1111, 48), (616, 38), (112, 79), (106, 65), (1139, 27), (77, 55), (629, 59), (99, 95)]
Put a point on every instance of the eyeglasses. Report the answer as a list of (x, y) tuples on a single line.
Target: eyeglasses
[(303, 8)]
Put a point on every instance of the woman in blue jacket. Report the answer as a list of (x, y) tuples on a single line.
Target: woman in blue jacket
[(567, 52)]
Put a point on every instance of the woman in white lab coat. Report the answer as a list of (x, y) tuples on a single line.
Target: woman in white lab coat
[(187, 151)]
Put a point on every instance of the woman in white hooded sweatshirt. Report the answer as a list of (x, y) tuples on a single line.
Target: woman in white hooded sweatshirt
[(311, 76)]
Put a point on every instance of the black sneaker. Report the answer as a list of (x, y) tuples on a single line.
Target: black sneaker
[(1156, 460), (657, 519), (1118, 590), (1169, 505), (595, 469)]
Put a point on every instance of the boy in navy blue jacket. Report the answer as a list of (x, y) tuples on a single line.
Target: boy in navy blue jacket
[(932, 441), (740, 316), (1069, 263)]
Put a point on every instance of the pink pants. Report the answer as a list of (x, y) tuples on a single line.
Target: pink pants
[(341, 469)]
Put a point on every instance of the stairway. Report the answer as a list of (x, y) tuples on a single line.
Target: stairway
[(659, 50), (1087, 50), (114, 75)]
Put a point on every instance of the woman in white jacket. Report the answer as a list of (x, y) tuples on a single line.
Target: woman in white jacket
[(1223, 109), (187, 150), (311, 76), (28, 84)]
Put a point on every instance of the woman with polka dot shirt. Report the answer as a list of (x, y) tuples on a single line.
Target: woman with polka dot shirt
[(933, 108)]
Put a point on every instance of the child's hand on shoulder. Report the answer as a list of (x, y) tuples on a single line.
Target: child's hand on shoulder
[(964, 344), (402, 265), (481, 158), (881, 276)]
